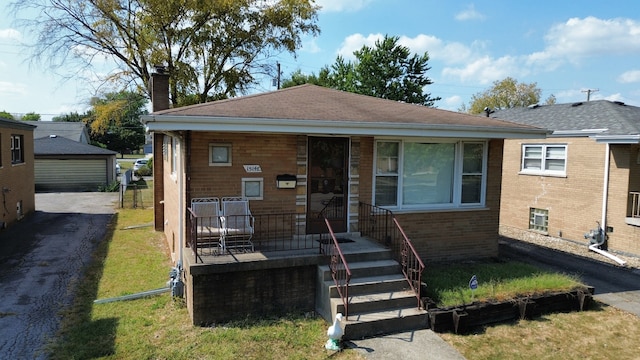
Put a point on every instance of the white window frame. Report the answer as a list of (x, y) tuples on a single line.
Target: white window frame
[(257, 188), (456, 201), (174, 155), (228, 161), (544, 157), (17, 150)]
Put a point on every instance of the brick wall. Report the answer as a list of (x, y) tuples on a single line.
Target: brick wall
[(17, 179), (574, 202), (235, 291)]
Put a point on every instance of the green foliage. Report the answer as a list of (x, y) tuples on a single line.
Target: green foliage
[(6, 115), (211, 49), (70, 117), (387, 70), (144, 171), (113, 187), (505, 94), (114, 121), (31, 116)]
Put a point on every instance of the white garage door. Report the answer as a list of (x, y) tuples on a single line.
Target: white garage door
[(72, 174)]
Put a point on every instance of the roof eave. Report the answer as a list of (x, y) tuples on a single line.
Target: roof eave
[(618, 139), (352, 128)]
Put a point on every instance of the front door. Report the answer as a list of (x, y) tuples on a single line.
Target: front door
[(327, 184)]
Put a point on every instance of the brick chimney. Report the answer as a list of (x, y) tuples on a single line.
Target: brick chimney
[(159, 84)]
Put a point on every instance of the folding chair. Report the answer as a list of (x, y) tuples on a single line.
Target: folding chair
[(238, 224), (209, 224)]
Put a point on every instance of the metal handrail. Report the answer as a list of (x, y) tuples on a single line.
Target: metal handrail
[(412, 265), (340, 271), (382, 225)]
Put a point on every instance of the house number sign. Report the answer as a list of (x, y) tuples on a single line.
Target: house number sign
[(252, 168)]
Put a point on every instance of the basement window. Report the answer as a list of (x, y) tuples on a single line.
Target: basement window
[(539, 220)]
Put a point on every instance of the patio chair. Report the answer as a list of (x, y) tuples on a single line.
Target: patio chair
[(208, 223), (238, 223)]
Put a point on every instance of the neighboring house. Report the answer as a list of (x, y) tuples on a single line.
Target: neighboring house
[(16, 171), (62, 164), (76, 131), (586, 172), (438, 171)]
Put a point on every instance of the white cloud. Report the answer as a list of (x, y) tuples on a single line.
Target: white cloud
[(342, 5), (593, 37), (469, 13), (9, 89), (10, 34), (486, 69), (355, 42), (631, 76), (451, 103), (310, 46)]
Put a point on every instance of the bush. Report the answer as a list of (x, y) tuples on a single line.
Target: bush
[(144, 171), (113, 187)]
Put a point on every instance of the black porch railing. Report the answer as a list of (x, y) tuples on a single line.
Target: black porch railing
[(382, 226), (271, 233)]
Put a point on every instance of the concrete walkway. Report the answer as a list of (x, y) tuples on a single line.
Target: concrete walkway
[(412, 345)]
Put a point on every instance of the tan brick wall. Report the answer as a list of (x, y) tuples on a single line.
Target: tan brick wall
[(624, 177), (574, 202), (18, 179)]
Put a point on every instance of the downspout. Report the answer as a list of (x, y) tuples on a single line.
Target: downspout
[(605, 197), (605, 189)]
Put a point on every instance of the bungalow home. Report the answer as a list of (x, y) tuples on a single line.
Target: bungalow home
[(586, 174), (305, 154), (16, 171)]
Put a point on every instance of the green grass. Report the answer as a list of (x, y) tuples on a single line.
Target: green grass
[(448, 285), (134, 259)]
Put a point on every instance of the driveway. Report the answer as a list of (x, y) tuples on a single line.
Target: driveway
[(614, 285), (41, 259)]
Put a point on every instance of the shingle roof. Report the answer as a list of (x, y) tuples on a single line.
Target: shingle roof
[(616, 117), (306, 105), (57, 145), (70, 130), (15, 124)]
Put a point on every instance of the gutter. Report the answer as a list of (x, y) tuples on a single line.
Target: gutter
[(363, 128)]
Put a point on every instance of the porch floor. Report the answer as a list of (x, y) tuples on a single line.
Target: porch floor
[(358, 245)]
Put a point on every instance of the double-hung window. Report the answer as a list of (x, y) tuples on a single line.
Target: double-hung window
[(17, 152), (414, 175), (544, 159)]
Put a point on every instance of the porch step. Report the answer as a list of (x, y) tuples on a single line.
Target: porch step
[(367, 268), (380, 299)]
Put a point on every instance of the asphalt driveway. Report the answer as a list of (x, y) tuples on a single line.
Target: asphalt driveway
[(41, 259)]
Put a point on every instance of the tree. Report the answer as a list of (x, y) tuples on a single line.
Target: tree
[(298, 78), (70, 117), (211, 48), (387, 71), (6, 115), (114, 121), (31, 116), (504, 94)]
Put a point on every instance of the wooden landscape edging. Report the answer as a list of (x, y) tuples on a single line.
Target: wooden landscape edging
[(462, 319)]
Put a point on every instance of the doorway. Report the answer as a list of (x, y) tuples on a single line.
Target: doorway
[(327, 184)]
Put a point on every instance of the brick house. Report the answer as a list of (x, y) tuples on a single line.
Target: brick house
[(586, 172), (16, 170), (438, 171)]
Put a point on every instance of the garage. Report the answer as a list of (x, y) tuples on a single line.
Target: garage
[(66, 165)]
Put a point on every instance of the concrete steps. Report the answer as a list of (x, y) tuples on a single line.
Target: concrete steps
[(380, 299)]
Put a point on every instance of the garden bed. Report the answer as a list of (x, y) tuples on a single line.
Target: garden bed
[(463, 319)]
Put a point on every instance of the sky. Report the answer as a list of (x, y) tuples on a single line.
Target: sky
[(568, 49)]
